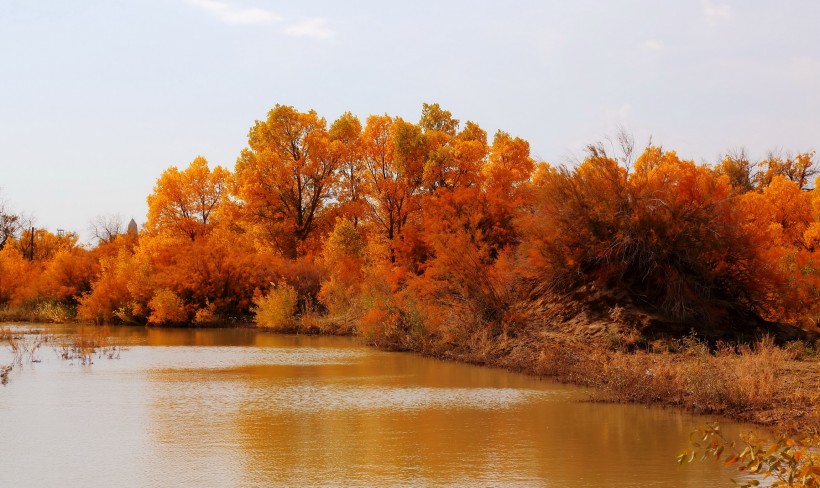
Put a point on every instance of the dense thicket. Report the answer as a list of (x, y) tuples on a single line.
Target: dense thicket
[(428, 231)]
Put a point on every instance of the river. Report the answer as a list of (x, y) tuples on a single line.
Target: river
[(238, 407)]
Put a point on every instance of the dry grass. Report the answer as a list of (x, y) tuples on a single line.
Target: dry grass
[(24, 347), (44, 311), (83, 346), (4, 373), (727, 379), (86, 344)]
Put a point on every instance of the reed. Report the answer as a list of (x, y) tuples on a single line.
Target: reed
[(86, 344)]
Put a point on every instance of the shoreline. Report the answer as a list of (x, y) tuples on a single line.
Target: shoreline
[(776, 400)]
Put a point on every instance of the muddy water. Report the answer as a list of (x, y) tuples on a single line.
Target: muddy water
[(229, 408)]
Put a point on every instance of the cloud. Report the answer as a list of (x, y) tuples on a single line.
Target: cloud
[(619, 115), (313, 28), (715, 12), (652, 45), (231, 14), (624, 111)]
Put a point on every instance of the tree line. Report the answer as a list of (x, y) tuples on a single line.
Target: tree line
[(415, 231)]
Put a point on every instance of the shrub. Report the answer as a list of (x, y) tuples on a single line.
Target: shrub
[(54, 312), (167, 308), (206, 315), (277, 309), (667, 232)]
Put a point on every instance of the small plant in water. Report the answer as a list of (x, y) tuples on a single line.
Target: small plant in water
[(23, 348), (4, 373), (785, 462), (86, 344)]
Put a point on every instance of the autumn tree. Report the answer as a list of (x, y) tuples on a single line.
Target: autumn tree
[(508, 169), (344, 256), (286, 175), (800, 169), (394, 155), (783, 221), (741, 172), (214, 277), (184, 202), (68, 275), (345, 136), (42, 245), (439, 128), (14, 275), (115, 291), (667, 233)]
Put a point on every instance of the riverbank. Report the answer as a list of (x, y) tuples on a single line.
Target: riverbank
[(743, 369), (763, 383), (768, 375), (771, 378)]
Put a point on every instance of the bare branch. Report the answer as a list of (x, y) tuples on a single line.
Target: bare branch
[(106, 228)]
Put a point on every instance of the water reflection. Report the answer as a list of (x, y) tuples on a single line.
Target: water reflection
[(240, 408)]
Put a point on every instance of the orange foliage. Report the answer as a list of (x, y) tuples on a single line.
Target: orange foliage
[(798, 169), (393, 168), (669, 231), (110, 297), (166, 308), (285, 176), (184, 202), (345, 135), (14, 274), (783, 221), (425, 232), (68, 275), (344, 255)]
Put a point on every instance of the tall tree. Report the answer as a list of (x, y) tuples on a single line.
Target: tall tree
[(454, 159), (183, 202), (800, 169), (345, 135), (740, 171), (285, 176), (393, 160)]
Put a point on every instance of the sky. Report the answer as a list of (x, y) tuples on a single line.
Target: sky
[(99, 97)]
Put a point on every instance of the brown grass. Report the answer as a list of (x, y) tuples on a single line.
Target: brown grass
[(4, 373), (728, 379), (86, 344), (40, 311), (23, 346)]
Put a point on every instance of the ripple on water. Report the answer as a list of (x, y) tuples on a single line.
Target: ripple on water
[(225, 357), (313, 398), (307, 398)]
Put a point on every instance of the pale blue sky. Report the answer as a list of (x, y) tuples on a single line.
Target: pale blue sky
[(98, 97)]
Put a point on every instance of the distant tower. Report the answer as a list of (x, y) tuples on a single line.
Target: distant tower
[(132, 228)]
